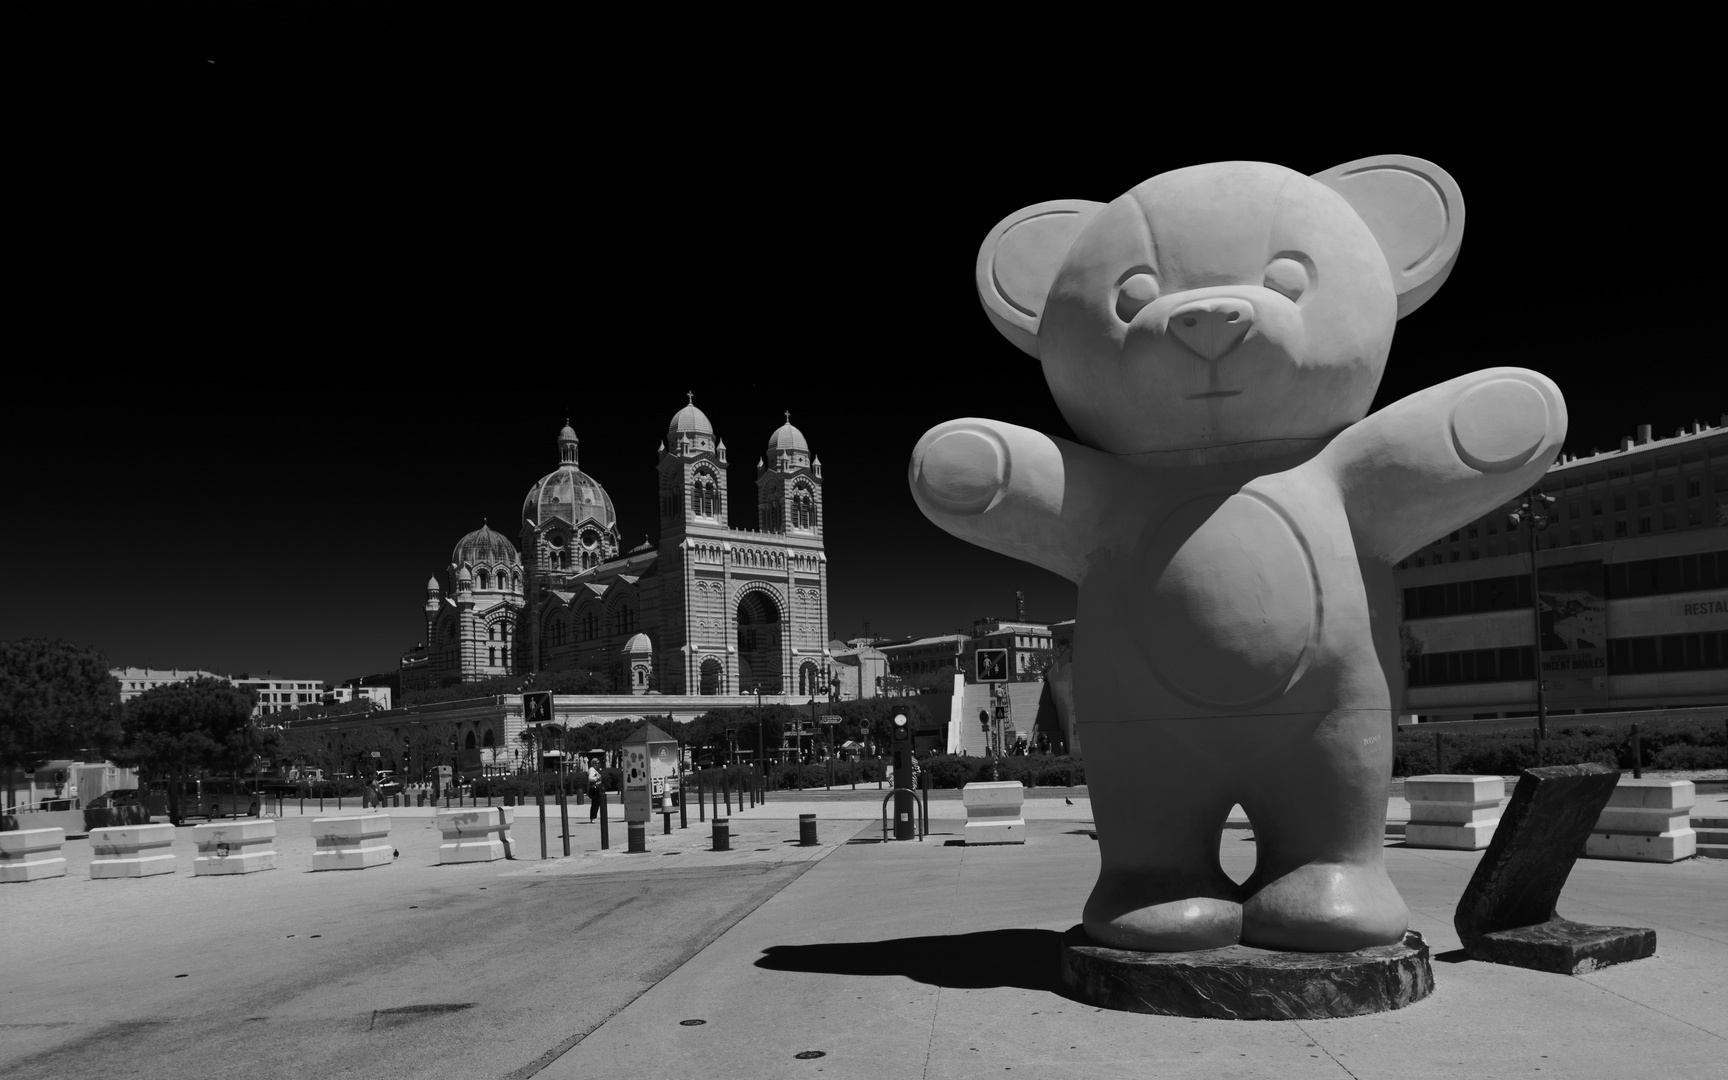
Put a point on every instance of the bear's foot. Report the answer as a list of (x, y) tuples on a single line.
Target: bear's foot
[(1130, 912), (1325, 907)]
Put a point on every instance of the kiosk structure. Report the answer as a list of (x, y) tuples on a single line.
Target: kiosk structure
[(650, 773)]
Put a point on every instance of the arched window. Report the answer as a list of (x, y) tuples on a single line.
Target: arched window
[(485, 579), (470, 743), (710, 676), (492, 657), (492, 632), (488, 740)]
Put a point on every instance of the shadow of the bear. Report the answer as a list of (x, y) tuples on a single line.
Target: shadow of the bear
[(1028, 959)]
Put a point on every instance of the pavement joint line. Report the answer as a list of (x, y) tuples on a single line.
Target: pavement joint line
[(1651, 1008), (1324, 1049)]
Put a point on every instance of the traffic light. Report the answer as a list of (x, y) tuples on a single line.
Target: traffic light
[(902, 733)]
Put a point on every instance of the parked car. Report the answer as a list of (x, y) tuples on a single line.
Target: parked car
[(124, 806), (387, 784)]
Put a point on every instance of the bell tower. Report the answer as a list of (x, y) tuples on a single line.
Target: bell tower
[(789, 485)]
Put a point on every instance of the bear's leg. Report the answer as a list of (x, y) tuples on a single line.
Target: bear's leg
[(1319, 814), (1160, 809)]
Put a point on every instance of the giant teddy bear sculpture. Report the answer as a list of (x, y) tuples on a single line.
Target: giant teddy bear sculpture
[(1214, 337)]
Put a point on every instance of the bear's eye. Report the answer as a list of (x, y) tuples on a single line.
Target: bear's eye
[(1134, 294), (1288, 277)]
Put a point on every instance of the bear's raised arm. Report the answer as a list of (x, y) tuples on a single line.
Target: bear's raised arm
[(1440, 458), (1015, 491)]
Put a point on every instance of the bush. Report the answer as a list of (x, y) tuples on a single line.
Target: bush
[(1687, 744)]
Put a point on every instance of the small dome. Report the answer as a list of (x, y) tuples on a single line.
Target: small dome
[(464, 574), (568, 434), (432, 584), (483, 547), (787, 437), (639, 643), (689, 421)]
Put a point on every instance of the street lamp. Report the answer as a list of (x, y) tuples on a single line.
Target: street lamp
[(1530, 514)]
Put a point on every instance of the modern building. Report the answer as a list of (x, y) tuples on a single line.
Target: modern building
[(1632, 571), (274, 695), (379, 696), (712, 608), (911, 660)]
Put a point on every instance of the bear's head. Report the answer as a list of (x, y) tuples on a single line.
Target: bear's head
[(1222, 305)]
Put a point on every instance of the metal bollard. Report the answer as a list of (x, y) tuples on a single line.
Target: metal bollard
[(666, 821), (683, 807), (605, 831), (638, 837), (722, 835), (807, 830), (1637, 754)]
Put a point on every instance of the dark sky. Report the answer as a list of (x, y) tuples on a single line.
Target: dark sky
[(290, 328)]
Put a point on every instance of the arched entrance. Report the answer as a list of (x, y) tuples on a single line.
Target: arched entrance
[(710, 677), (758, 643)]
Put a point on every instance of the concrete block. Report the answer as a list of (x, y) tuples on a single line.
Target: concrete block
[(1453, 811), (351, 843), (32, 854), (235, 847), (1646, 821), (993, 812), (1712, 837), (474, 835), (132, 851)]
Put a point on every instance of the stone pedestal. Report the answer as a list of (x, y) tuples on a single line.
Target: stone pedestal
[(1647, 821), (351, 843), (32, 854), (234, 847), (993, 812), (1243, 983), (476, 835), (132, 851), (1506, 915), (1457, 812)]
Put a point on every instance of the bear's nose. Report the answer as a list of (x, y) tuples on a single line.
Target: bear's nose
[(1212, 327)]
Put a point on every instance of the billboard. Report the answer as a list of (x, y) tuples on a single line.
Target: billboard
[(1574, 621)]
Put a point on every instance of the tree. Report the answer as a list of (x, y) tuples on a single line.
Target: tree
[(56, 699), (182, 727)]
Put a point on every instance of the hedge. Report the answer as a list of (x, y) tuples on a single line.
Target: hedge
[(1684, 745)]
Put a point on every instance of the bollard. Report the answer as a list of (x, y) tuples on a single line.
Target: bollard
[(130, 851), (1637, 755), (701, 800), (637, 833), (1439, 758), (32, 854), (683, 806), (666, 821), (541, 799), (807, 830), (238, 847), (722, 835), (752, 785), (564, 820), (605, 829), (351, 843)]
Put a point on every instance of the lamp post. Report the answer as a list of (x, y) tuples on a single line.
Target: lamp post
[(758, 692), (1530, 514)]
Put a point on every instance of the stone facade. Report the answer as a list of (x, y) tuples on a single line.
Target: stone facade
[(712, 609)]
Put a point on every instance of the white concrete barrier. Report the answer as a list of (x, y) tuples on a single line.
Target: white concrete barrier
[(993, 812), (474, 835), (32, 854), (351, 843), (234, 847), (130, 851), (1647, 821), (1453, 811)]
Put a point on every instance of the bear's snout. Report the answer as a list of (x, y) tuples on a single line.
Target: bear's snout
[(1213, 326)]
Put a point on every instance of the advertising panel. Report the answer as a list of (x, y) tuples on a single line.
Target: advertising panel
[(1574, 620), (638, 789)]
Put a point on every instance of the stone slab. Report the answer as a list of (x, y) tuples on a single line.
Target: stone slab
[(1243, 983), (1468, 836), (132, 851), (1506, 915), (1564, 947), (351, 843), (474, 835), (32, 854), (245, 846)]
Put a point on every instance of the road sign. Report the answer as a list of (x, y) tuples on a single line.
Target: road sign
[(1001, 712), (376, 753), (991, 665), (830, 719)]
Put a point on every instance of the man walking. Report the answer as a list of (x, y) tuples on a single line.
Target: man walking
[(595, 793)]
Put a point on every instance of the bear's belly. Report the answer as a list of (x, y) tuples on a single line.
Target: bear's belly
[(1228, 602)]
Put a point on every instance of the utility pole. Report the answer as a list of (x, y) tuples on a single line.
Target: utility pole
[(1531, 516)]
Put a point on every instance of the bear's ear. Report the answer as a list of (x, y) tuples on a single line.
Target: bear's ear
[(1416, 212), (1017, 264)]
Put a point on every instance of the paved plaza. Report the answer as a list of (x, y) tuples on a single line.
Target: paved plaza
[(905, 959)]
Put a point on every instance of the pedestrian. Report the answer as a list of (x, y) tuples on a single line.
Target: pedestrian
[(595, 792)]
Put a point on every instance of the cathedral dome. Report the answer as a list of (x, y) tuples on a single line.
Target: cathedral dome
[(639, 644), (569, 494), (787, 437), (483, 547), (689, 421)]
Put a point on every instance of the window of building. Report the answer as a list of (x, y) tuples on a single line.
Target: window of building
[(1595, 534), (1694, 489), (1619, 503), (1667, 519), (1669, 652), (492, 657), (1472, 532), (1596, 506), (1644, 524), (1474, 554), (1620, 527), (1643, 496), (1453, 538), (1577, 510)]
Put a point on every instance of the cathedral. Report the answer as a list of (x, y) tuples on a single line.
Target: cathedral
[(713, 609)]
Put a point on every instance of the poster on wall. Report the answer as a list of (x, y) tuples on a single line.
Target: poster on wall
[(637, 792), (1574, 620)]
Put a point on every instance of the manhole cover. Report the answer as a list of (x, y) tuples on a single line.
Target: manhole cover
[(806, 1055), (691, 1023)]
